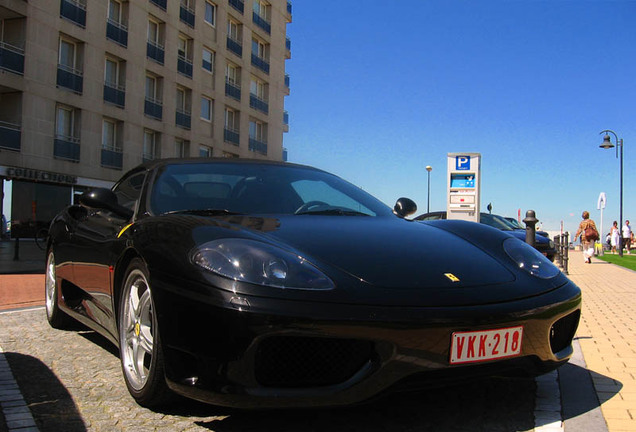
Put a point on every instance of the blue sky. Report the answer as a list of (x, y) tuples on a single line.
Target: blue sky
[(381, 89)]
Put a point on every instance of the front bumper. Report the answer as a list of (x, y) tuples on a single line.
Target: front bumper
[(254, 352)]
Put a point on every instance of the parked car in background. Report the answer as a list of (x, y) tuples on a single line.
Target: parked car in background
[(515, 223), (542, 243)]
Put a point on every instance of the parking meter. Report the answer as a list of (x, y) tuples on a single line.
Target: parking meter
[(464, 185)]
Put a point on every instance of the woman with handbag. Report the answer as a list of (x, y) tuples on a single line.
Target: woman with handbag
[(589, 234)]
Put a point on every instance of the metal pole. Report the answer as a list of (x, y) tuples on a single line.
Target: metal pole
[(620, 241), (428, 196)]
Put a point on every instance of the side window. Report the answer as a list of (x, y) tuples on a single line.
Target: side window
[(129, 190)]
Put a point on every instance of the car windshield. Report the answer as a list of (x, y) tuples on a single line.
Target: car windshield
[(218, 188), (515, 223)]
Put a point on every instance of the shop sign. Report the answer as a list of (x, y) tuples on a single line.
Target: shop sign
[(37, 175)]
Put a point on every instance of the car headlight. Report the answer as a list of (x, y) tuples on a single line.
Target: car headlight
[(529, 259), (551, 244), (259, 263)]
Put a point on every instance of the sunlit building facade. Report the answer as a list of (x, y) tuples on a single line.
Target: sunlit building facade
[(92, 88)]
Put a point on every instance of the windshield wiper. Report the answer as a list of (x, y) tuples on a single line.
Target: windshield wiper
[(204, 212), (333, 212)]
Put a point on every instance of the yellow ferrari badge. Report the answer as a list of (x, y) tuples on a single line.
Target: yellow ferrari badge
[(452, 277)]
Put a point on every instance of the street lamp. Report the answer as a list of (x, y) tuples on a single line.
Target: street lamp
[(607, 144), (428, 196)]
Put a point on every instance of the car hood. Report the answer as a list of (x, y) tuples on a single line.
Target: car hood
[(372, 260), (391, 253)]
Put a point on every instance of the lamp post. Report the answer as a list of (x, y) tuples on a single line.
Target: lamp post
[(428, 196), (607, 144)]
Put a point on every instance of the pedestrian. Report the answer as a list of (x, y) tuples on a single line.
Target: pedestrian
[(589, 234), (627, 236), (615, 237)]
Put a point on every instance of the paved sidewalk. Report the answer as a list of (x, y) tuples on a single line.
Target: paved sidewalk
[(607, 336)]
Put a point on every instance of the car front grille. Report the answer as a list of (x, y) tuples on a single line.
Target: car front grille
[(293, 362)]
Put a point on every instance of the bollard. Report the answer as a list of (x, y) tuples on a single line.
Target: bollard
[(531, 231), (16, 250), (557, 246), (566, 242)]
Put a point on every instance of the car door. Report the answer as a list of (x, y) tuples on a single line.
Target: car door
[(98, 245)]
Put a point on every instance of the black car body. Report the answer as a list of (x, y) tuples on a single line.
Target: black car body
[(262, 284), (542, 243)]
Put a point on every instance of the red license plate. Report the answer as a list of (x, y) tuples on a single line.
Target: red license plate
[(484, 345)]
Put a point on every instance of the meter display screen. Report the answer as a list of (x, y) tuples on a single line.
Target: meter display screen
[(462, 181)]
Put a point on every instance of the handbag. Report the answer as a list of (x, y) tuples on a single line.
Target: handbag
[(591, 234)]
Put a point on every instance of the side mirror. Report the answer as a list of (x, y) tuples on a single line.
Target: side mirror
[(404, 207), (104, 199)]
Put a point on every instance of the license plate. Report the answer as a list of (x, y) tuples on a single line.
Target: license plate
[(484, 345)]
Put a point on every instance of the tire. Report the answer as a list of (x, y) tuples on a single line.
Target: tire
[(57, 318), (139, 344)]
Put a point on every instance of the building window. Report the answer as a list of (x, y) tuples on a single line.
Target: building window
[(112, 156), (210, 13), (232, 126), (116, 29), (205, 151), (258, 137), (151, 145), (186, 12), (234, 38), (109, 134), (155, 47), (258, 95), (153, 104), (208, 60), (233, 81), (206, 108), (66, 120), (262, 15), (181, 148), (69, 74), (183, 108), (184, 51), (260, 55), (114, 90), (67, 127)]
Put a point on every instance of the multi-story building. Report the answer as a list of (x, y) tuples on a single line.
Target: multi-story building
[(92, 88)]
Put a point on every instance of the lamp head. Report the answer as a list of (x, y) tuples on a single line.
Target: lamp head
[(607, 142), (429, 168)]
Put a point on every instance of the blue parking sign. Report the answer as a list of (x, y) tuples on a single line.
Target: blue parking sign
[(462, 163)]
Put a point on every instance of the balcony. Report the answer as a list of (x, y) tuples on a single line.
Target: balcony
[(115, 94), (232, 90), (289, 7), (287, 48), (153, 108), (184, 66), (10, 136), (231, 136), (186, 15), (238, 5), (261, 22), (11, 58), (285, 121), (285, 155), (73, 11), (257, 146), (287, 80), (235, 46), (183, 119), (260, 63), (70, 78), (67, 148), (160, 3), (112, 158), (259, 104), (155, 52), (117, 32)]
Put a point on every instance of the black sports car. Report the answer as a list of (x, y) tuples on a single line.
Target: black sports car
[(263, 284)]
